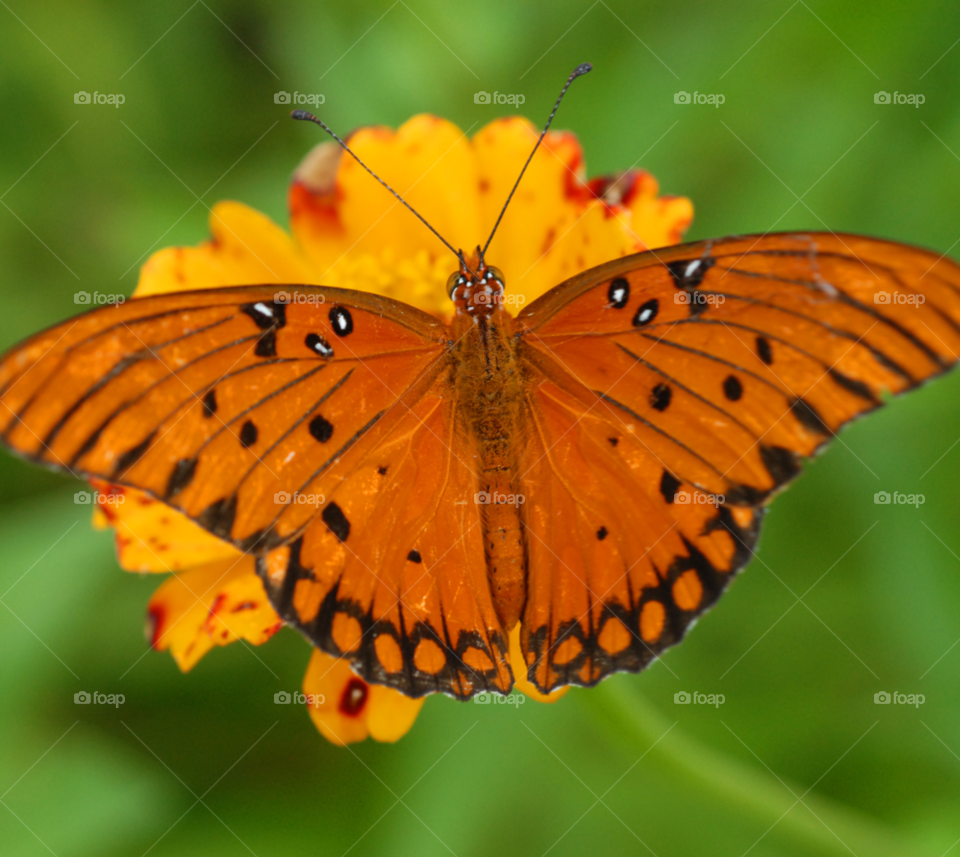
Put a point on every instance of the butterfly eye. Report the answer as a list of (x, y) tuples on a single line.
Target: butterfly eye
[(453, 281), (496, 274)]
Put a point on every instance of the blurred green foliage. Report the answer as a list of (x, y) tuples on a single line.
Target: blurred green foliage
[(880, 585)]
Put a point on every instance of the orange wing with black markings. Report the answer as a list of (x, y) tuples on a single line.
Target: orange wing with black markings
[(670, 394), (261, 420), (219, 401), (400, 585)]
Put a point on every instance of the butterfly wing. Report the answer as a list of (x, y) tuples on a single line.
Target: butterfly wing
[(262, 420), (670, 394), (398, 582)]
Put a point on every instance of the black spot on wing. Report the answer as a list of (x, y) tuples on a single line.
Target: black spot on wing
[(688, 273), (266, 314), (337, 522), (248, 434), (613, 441), (267, 345), (218, 517), (732, 388), (851, 385), (602, 533), (414, 556), (646, 313), (321, 429), (764, 351), (660, 397), (782, 464), (808, 417), (318, 345), (382, 470), (210, 403), (181, 476), (619, 293), (341, 320), (132, 456), (668, 486)]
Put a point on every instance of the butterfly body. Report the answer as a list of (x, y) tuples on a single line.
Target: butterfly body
[(489, 390)]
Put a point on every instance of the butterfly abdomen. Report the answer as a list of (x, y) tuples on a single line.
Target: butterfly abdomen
[(489, 396)]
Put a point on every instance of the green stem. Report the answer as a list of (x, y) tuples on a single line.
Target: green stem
[(832, 828)]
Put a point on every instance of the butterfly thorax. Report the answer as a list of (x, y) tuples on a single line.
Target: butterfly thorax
[(489, 397)]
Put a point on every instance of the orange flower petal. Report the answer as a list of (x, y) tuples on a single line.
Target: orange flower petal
[(150, 536), (519, 667), (351, 710), (557, 225), (212, 605), (247, 249)]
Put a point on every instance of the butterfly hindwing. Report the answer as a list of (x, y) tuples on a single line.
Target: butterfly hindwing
[(670, 394), (395, 578)]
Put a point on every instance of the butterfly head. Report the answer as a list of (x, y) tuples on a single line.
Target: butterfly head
[(476, 291)]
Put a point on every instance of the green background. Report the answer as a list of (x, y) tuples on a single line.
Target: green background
[(798, 678)]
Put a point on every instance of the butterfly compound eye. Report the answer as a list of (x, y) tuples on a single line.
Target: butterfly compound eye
[(453, 281), (497, 274)]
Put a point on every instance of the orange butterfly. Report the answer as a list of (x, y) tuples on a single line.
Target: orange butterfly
[(595, 469)]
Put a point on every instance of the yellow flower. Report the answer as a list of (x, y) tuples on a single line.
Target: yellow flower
[(348, 231)]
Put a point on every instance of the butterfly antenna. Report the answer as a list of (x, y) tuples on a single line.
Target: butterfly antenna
[(581, 69), (309, 117)]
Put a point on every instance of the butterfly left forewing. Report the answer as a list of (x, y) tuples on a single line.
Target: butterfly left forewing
[(219, 402), (673, 393)]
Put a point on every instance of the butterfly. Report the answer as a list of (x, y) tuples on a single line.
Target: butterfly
[(594, 469)]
